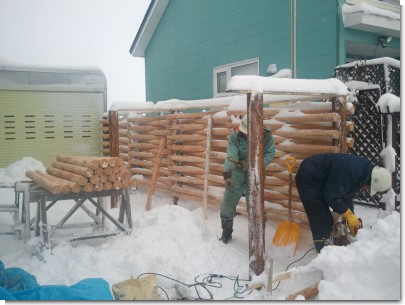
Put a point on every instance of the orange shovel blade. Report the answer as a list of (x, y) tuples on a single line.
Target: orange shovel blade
[(287, 233)]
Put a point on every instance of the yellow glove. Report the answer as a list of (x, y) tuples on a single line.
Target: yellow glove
[(352, 222)]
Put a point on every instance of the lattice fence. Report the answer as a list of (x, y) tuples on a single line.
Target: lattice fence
[(370, 133)]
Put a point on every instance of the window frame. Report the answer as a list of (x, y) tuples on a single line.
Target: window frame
[(227, 68)]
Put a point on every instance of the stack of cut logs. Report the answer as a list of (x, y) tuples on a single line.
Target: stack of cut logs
[(76, 173)]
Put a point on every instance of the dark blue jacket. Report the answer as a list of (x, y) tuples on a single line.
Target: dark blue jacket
[(333, 178)]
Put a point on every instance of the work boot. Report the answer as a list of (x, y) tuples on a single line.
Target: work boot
[(321, 242), (227, 229)]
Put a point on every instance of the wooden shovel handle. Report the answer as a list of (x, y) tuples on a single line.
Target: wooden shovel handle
[(290, 162)]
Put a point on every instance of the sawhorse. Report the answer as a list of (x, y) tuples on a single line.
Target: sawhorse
[(34, 194)]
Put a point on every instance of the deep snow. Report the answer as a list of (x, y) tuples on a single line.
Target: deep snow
[(177, 242)]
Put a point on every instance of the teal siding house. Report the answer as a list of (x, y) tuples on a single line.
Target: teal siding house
[(193, 47)]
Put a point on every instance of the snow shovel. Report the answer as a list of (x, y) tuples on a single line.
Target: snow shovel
[(288, 232)]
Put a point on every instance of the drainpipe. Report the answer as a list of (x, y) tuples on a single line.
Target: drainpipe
[(293, 39)]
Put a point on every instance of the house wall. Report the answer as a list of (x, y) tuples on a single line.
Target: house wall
[(195, 36)]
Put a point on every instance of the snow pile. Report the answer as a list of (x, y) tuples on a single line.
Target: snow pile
[(16, 171), (389, 103), (176, 242), (260, 84), (369, 269)]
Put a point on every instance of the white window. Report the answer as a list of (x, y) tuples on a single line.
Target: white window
[(223, 74)]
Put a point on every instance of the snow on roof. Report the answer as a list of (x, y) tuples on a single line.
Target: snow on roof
[(358, 85), (175, 104), (389, 103), (260, 84), (285, 90), (369, 10), (388, 61)]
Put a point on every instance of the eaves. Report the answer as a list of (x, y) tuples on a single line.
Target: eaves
[(149, 23)]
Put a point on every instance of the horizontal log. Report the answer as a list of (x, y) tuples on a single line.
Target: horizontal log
[(73, 187), (186, 158), (143, 146), (158, 132), (94, 179), (186, 127), (77, 161), (143, 154), (284, 190), (191, 148), (88, 187), (296, 216), (148, 163), (142, 128), (312, 149), (185, 138), (273, 167), (135, 136), (295, 205), (218, 143), (67, 175), (323, 126), (43, 182), (271, 181), (190, 180), (189, 115), (143, 119), (65, 188), (187, 169), (307, 133), (294, 117)]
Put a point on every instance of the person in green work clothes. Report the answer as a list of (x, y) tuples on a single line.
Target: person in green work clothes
[(236, 175)]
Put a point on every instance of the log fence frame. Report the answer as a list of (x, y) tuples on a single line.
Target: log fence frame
[(192, 161)]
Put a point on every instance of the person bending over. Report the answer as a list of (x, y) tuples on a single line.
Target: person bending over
[(331, 180)]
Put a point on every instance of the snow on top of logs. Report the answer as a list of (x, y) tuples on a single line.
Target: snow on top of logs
[(286, 113), (287, 86), (389, 103), (282, 89)]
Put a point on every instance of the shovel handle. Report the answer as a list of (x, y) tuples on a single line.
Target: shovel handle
[(290, 162)]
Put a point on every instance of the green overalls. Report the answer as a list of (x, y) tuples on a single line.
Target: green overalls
[(238, 150)]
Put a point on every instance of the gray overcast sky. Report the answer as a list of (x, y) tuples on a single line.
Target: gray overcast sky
[(77, 33)]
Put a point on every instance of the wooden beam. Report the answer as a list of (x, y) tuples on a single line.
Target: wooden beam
[(114, 144), (155, 173), (256, 184)]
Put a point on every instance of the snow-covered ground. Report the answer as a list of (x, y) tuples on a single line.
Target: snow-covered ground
[(181, 246)]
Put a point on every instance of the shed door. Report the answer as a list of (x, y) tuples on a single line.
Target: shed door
[(42, 124)]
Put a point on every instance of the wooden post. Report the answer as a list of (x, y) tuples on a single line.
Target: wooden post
[(343, 125), (270, 278), (171, 120), (395, 117), (207, 164), (155, 173), (256, 184), (308, 293), (114, 145)]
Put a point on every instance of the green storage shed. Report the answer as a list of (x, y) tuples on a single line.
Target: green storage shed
[(50, 111)]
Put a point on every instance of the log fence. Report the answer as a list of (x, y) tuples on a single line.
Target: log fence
[(191, 163)]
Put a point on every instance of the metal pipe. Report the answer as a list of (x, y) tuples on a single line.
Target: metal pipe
[(293, 39)]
